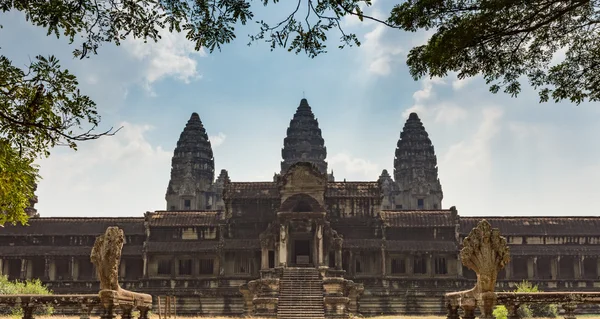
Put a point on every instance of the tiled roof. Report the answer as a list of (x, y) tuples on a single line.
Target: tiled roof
[(65, 226), (241, 244), (554, 250), (251, 190), (182, 246), (537, 226), (14, 251), (418, 218), (184, 218), (421, 246), (353, 189)]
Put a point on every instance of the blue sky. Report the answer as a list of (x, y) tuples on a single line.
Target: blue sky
[(497, 155)]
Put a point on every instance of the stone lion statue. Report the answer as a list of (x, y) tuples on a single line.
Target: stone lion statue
[(106, 256)]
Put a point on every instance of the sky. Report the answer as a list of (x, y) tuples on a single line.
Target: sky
[(497, 155)]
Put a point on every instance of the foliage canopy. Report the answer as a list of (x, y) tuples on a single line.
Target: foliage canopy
[(508, 40)]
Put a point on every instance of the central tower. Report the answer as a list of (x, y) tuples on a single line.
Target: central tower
[(415, 169), (192, 169), (303, 142)]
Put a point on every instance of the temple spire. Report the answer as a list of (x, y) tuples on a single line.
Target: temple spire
[(303, 142), (192, 168), (415, 168)]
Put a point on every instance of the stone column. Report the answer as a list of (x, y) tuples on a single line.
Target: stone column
[(530, 269), (319, 238), (52, 270), (338, 254), (383, 261), (597, 267), (264, 258), (351, 263), (1, 267), (145, 268), (46, 268), (217, 264), (429, 265), (23, 268), (283, 239), (72, 269), (75, 272), (579, 267), (276, 253), (459, 267), (410, 265), (554, 268)]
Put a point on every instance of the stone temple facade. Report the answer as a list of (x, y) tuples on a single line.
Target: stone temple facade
[(386, 246)]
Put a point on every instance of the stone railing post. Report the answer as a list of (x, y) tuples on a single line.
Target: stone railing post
[(27, 311), (569, 310), (86, 310), (468, 311), (143, 312), (513, 310), (452, 311), (126, 311), (108, 311)]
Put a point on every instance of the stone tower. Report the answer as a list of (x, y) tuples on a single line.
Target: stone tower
[(303, 142), (415, 169), (30, 210), (192, 169)]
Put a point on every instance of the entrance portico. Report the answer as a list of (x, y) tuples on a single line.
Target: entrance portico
[(301, 253), (301, 239)]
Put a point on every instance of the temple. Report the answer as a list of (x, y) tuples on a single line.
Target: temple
[(226, 247)]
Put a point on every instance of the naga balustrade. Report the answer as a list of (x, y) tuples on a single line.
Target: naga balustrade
[(486, 252), (106, 256)]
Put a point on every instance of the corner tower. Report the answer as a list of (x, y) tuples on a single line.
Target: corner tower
[(303, 142), (192, 169), (415, 169)]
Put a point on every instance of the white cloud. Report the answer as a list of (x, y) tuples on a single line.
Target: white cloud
[(218, 139), (125, 169), (380, 53), (172, 56), (458, 84), (443, 112), (345, 165), (473, 155)]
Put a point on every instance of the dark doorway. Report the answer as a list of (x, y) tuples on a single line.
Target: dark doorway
[(302, 255), (271, 259)]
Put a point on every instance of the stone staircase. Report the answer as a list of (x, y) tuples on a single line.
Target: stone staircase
[(300, 294)]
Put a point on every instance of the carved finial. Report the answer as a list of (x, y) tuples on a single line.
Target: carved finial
[(485, 252), (106, 256)]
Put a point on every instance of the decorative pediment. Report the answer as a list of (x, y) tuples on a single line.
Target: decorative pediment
[(303, 178), (301, 203)]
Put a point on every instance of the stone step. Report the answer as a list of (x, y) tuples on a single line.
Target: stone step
[(300, 310), (300, 294)]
